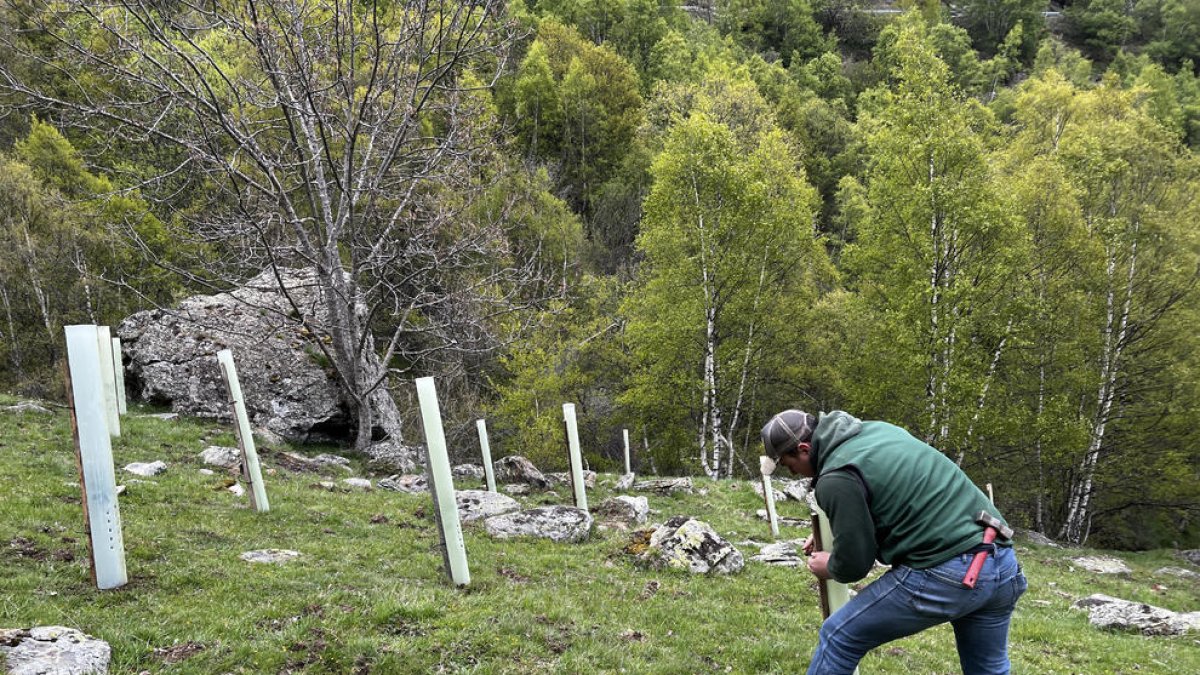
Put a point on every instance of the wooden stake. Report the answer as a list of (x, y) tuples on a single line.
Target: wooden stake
[(250, 465), (93, 456), (441, 485)]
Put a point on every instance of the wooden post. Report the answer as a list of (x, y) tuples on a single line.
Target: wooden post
[(119, 372), (625, 433), (93, 456), (441, 485), (768, 495), (486, 451), (108, 380), (250, 465), (833, 594), (575, 456)]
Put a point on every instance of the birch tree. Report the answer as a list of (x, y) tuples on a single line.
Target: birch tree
[(936, 257), (348, 138), (730, 263)]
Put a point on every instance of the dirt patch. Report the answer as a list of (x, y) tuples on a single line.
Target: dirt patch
[(649, 590), (24, 548), (179, 652), (639, 542), (512, 575), (379, 519)]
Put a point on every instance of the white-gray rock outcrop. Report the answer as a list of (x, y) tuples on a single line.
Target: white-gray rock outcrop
[(477, 504), (52, 650), (556, 523), (1105, 611), (1102, 565)]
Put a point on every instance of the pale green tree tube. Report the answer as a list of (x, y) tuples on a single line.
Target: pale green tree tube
[(486, 451), (441, 484), (258, 491), (576, 457)]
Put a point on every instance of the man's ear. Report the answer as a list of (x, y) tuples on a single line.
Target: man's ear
[(804, 446)]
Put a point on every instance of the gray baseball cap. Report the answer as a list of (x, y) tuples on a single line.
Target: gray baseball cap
[(785, 430)]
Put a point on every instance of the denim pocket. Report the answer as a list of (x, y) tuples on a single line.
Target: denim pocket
[(934, 596)]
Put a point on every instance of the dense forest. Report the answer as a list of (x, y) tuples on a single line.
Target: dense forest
[(975, 220)]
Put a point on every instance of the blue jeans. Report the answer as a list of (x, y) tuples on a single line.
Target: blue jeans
[(905, 601)]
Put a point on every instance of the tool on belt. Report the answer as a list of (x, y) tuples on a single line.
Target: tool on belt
[(992, 527)]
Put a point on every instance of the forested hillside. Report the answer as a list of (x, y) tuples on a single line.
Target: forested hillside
[(978, 221)]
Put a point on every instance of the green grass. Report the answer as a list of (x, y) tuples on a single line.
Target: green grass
[(372, 597)]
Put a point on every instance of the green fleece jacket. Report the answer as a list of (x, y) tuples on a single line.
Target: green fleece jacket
[(891, 497)]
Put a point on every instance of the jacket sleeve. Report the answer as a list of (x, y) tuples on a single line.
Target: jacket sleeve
[(844, 500)]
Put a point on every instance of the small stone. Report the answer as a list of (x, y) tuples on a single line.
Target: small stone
[(623, 511), (327, 485), (665, 486), (27, 407), (625, 482), (410, 483), (518, 489), (270, 556), (237, 489), (222, 456), (333, 461), (120, 489), (146, 468), (165, 417), (781, 553), (357, 483), (207, 472)]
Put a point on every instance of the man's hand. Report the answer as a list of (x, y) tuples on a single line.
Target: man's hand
[(818, 564), (808, 545)]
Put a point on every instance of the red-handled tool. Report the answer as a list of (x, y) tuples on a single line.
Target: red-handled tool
[(993, 527)]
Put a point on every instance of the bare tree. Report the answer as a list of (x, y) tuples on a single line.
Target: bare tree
[(346, 137)]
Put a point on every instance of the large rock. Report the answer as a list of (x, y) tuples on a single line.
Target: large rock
[(556, 523), (517, 469), (689, 544), (1105, 611), (477, 504), (1035, 537), (26, 407), (623, 512), (625, 482), (289, 388), (53, 650), (1178, 572), (665, 486)]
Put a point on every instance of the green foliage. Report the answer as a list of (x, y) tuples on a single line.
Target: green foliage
[(991, 22), (730, 254)]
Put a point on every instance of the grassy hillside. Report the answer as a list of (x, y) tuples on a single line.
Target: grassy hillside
[(369, 595)]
